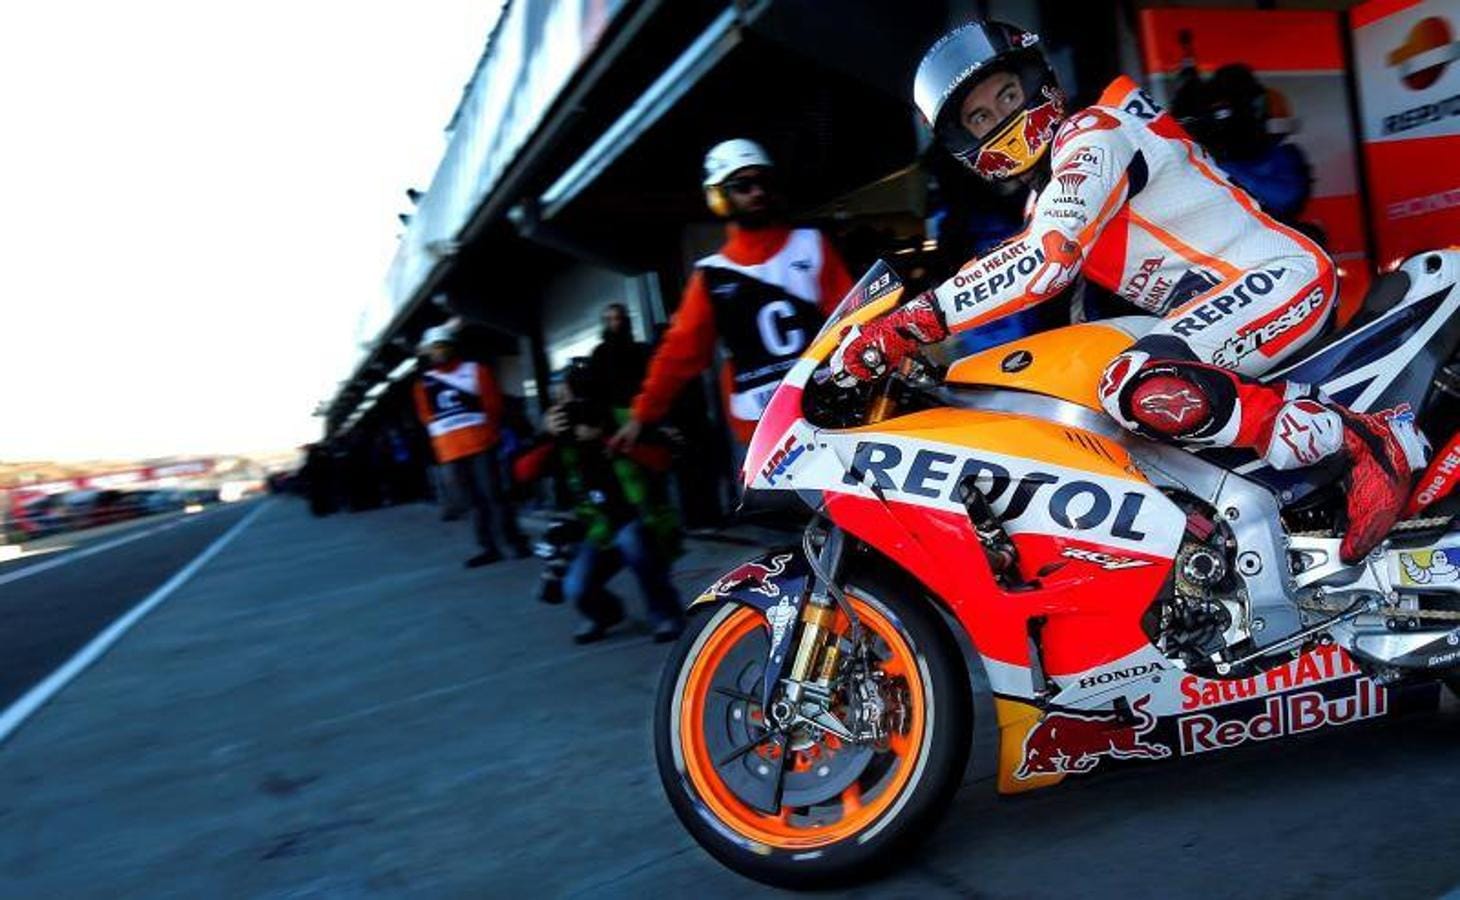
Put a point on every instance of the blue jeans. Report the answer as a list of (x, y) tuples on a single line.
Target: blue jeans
[(591, 569)]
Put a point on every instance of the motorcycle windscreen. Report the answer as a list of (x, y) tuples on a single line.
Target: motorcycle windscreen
[(775, 443), (880, 281)]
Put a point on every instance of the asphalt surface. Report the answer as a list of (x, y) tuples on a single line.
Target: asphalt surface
[(336, 708), (48, 614)]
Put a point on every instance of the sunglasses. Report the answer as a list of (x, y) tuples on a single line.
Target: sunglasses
[(746, 185)]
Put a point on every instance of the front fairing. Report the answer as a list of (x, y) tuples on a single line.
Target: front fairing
[(783, 436)]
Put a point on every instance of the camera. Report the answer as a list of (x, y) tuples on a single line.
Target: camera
[(556, 548)]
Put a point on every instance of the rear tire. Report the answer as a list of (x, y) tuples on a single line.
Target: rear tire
[(793, 850)]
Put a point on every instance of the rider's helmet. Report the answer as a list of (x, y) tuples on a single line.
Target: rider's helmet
[(963, 58)]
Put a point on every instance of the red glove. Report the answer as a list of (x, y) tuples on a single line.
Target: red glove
[(868, 351)]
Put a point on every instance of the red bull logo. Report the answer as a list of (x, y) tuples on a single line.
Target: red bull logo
[(1067, 742), (1019, 146), (1039, 125), (755, 576)]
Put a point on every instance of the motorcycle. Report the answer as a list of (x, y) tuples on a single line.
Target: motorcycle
[(987, 529)]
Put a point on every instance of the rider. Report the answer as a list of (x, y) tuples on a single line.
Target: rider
[(1122, 195)]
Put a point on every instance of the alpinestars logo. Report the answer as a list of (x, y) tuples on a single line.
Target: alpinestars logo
[(1263, 335), (1070, 183), (1174, 405), (1300, 436)]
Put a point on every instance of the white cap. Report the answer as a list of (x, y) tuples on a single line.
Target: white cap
[(728, 157), (440, 334)]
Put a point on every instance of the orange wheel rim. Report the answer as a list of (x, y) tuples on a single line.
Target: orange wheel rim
[(858, 806)]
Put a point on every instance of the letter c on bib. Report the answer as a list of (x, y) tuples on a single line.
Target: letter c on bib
[(776, 339)]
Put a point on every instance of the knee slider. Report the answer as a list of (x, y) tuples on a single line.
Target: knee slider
[(1166, 398)]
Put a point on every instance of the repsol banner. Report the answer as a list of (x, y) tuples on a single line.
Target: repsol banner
[(1407, 61)]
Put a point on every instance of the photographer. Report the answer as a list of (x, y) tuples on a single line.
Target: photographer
[(615, 503)]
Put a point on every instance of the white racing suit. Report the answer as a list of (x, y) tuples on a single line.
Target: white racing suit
[(1137, 208)]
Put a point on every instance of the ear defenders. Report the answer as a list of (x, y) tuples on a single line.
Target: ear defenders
[(718, 201)]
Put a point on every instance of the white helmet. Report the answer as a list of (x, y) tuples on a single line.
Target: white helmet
[(439, 334), (728, 157)]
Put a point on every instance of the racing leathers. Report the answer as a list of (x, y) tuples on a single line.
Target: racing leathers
[(1136, 207)]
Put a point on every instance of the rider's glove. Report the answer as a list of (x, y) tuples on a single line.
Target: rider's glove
[(868, 351)]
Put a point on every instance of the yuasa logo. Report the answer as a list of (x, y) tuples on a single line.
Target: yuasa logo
[(1426, 52)]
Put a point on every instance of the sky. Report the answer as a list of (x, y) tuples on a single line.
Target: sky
[(200, 198)]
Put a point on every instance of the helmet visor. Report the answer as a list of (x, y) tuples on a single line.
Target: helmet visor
[(952, 63)]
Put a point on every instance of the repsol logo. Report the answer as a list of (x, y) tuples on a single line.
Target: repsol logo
[(1074, 504), (982, 291), (1254, 285), (1103, 678)]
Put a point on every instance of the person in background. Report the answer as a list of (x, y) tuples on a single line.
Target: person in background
[(1229, 114), (618, 363), (459, 403), (615, 502), (318, 475), (764, 296)]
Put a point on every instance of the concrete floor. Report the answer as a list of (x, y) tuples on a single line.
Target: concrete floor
[(337, 708)]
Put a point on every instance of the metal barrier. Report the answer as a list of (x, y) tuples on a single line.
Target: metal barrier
[(47, 515)]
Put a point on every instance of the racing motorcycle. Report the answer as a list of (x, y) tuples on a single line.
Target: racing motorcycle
[(985, 529)]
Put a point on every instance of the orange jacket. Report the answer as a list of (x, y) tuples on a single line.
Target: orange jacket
[(461, 407), (688, 346)]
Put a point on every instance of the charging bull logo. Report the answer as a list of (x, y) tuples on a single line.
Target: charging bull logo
[(1066, 742), (1018, 146), (755, 576)]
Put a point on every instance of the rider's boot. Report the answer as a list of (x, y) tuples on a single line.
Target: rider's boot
[(1377, 482), (1291, 425), (1379, 452)]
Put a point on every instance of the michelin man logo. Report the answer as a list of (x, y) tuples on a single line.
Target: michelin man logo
[(780, 618), (1431, 567)]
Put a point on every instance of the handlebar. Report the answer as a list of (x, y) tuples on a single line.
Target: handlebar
[(912, 373)]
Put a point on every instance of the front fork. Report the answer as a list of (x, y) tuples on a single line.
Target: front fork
[(817, 653)]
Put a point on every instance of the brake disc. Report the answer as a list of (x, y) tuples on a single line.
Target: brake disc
[(818, 770)]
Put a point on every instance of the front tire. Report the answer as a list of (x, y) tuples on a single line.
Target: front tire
[(895, 797)]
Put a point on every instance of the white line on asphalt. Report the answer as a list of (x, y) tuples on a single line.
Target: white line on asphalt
[(84, 552), (54, 683)]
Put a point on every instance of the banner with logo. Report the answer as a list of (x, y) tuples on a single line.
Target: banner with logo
[(1408, 60), (1298, 57)]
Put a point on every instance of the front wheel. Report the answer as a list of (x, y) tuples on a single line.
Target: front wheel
[(845, 808)]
